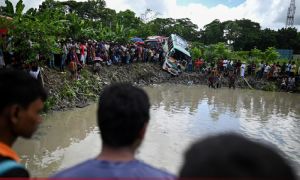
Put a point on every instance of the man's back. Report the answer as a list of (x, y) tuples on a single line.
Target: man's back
[(123, 116), (106, 169)]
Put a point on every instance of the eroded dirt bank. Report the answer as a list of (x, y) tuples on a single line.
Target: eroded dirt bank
[(65, 93)]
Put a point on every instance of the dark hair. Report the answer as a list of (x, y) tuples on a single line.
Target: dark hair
[(233, 156), (122, 113), (34, 68), (18, 87)]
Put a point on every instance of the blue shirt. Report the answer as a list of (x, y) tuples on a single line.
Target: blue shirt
[(100, 45), (105, 169)]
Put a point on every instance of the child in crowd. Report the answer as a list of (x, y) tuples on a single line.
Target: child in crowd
[(219, 81), (128, 56), (214, 71), (72, 69), (204, 70), (283, 83)]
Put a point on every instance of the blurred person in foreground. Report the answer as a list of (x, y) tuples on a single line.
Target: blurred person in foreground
[(230, 156), (123, 117), (22, 101)]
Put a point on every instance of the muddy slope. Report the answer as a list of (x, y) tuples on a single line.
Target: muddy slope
[(65, 93)]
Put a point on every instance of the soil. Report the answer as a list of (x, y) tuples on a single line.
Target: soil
[(64, 93)]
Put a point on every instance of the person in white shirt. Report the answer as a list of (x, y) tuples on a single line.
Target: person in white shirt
[(260, 69), (243, 69), (225, 63), (291, 82), (266, 70), (35, 71)]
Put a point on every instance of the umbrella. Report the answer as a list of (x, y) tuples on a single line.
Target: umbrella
[(137, 40), (98, 59), (137, 43)]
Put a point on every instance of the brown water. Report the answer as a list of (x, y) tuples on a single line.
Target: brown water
[(179, 116)]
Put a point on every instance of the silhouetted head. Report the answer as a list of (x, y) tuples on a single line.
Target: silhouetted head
[(233, 156), (123, 115), (21, 102)]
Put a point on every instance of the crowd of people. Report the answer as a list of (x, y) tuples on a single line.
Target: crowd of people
[(286, 72), (123, 116), (77, 54)]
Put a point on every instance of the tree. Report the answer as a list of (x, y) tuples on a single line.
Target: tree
[(271, 54), (248, 35), (127, 18), (267, 38), (221, 51), (232, 31), (124, 35), (109, 18), (90, 10), (196, 53), (214, 32), (42, 31), (287, 38), (9, 9), (49, 4), (210, 52), (256, 53), (149, 15)]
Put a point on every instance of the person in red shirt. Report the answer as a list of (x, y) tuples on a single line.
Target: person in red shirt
[(221, 66), (82, 61), (198, 66)]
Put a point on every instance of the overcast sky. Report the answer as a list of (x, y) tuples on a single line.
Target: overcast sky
[(269, 13)]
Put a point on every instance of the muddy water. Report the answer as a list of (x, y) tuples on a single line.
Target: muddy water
[(179, 116)]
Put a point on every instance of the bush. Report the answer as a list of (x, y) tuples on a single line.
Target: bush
[(196, 54), (270, 87), (271, 54)]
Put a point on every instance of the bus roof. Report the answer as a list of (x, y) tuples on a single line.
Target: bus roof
[(156, 37), (179, 44)]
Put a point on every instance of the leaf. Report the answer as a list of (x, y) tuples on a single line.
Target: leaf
[(20, 7), (10, 7)]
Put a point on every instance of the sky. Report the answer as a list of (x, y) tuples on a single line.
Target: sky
[(269, 13)]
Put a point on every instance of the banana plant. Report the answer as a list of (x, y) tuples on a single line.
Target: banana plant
[(108, 34), (9, 10), (124, 35)]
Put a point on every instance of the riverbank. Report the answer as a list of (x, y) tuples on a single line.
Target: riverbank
[(65, 94)]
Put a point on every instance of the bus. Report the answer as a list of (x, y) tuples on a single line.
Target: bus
[(178, 55), (157, 41), (3, 27)]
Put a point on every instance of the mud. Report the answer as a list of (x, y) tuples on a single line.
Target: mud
[(66, 94), (180, 115)]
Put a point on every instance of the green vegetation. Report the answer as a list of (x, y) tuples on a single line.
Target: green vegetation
[(270, 87), (196, 53), (93, 20), (49, 102)]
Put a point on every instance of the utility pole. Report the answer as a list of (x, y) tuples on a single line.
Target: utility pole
[(110, 24), (291, 15)]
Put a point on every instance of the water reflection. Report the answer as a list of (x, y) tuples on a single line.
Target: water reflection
[(272, 118), (179, 116)]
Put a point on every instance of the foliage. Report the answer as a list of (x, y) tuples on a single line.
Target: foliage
[(242, 54), (124, 35), (49, 103), (270, 87), (271, 54), (34, 35), (221, 51), (196, 53), (210, 54), (256, 53), (93, 20), (84, 74)]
